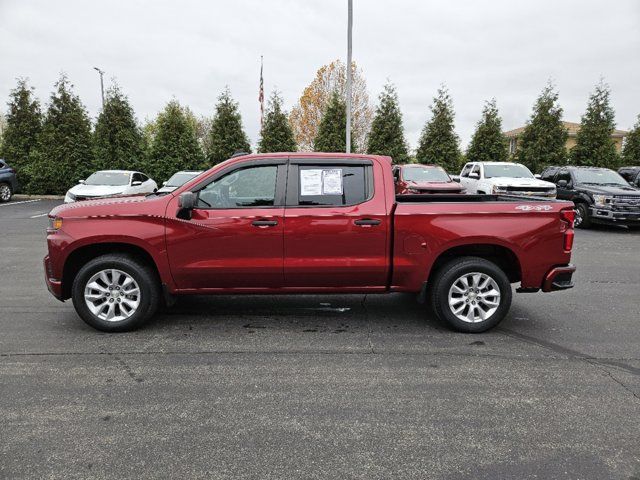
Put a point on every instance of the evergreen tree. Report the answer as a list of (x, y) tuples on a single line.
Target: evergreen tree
[(332, 131), (387, 133), (438, 142), (631, 149), (21, 130), (174, 145), (226, 136), (543, 140), (63, 154), (488, 144), (594, 145), (117, 138), (276, 134)]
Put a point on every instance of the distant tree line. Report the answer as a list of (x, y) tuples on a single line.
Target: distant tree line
[(55, 148)]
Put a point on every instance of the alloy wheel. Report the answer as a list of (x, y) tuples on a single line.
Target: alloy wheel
[(112, 295), (474, 297)]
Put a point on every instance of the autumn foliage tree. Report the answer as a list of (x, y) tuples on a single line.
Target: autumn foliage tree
[(307, 114)]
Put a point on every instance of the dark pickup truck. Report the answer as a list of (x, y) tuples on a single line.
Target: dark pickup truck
[(305, 223), (599, 194)]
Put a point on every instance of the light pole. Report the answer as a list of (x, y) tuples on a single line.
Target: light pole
[(349, 34), (101, 72)]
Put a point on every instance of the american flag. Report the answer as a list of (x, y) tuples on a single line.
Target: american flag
[(261, 95)]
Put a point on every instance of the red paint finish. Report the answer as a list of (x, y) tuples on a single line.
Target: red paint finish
[(310, 248), (223, 249)]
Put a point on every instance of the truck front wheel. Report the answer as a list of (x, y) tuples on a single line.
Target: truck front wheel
[(115, 293), (470, 294)]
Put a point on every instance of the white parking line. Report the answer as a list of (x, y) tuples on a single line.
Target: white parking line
[(18, 203), (39, 215)]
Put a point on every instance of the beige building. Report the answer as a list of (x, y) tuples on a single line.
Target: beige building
[(572, 129)]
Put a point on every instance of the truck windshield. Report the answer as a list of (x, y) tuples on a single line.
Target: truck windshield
[(599, 176), (180, 178), (427, 174), (112, 179), (507, 170)]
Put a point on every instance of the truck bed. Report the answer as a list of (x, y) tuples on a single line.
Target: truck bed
[(461, 198)]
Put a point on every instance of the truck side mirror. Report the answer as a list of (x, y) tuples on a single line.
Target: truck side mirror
[(186, 203), (81, 182), (537, 175), (562, 183), (455, 178)]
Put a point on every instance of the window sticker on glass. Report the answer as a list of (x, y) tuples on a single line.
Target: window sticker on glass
[(332, 181), (310, 182)]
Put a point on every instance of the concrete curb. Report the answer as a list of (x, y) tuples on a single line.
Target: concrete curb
[(20, 196)]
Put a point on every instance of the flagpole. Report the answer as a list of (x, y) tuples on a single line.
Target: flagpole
[(348, 93), (261, 95)]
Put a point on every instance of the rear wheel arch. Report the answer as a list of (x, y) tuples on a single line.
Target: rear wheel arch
[(80, 256), (505, 258)]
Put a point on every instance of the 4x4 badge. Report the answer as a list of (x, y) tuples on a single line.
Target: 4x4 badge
[(537, 208)]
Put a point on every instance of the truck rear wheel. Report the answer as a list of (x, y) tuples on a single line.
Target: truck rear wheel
[(115, 293), (470, 294)]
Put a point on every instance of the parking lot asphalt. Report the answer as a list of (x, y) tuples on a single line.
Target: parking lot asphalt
[(355, 386)]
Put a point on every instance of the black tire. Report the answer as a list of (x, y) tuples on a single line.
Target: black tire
[(582, 216), (6, 192), (443, 280), (144, 275)]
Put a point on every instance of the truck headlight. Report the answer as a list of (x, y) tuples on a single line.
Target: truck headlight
[(55, 224), (601, 200), (69, 197)]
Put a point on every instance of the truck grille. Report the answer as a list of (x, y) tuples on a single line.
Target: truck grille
[(626, 203), (529, 190)]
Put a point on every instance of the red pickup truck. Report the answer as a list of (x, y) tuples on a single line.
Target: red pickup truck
[(305, 223)]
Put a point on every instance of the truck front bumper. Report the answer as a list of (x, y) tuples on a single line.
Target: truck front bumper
[(558, 278), (606, 215), (53, 284)]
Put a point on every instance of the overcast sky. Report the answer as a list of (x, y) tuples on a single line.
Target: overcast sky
[(191, 49)]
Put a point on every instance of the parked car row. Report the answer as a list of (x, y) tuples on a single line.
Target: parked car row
[(599, 194), (112, 183)]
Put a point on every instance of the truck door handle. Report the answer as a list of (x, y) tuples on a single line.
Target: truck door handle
[(367, 222), (264, 223)]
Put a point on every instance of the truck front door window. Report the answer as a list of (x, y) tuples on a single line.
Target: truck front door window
[(249, 187)]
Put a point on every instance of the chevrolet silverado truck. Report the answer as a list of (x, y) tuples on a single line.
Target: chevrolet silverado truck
[(305, 223), (504, 178)]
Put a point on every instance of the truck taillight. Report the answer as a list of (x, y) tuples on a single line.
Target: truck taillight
[(568, 216)]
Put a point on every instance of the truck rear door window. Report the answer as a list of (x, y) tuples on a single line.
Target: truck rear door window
[(333, 185)]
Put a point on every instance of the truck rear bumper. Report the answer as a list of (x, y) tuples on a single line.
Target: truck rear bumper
[(558, 278)]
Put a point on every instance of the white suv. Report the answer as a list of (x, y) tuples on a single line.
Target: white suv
[(504, 178)]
